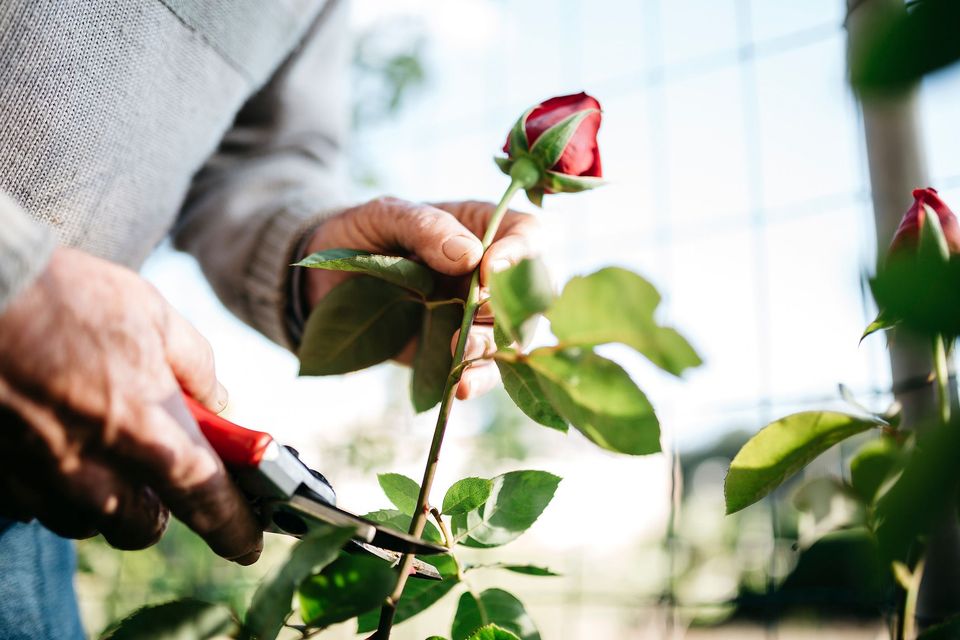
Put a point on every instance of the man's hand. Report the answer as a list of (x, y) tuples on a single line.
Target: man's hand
[(446, 237), (94, 434)]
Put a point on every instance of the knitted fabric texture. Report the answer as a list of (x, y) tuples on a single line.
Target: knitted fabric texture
[(218, 120)]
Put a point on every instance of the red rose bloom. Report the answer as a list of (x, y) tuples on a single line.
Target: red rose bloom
[(907, 235), (581, 156)]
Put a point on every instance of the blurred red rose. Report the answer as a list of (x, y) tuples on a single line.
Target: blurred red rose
[(907, 235)]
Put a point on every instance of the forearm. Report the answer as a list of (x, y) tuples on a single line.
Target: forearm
[(245, 236), (278, 172)]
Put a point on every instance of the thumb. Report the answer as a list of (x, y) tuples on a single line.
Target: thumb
[(434, 235)]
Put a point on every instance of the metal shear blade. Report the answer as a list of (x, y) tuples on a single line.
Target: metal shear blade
[(297, 515)]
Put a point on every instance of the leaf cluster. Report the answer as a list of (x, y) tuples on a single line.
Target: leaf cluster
[(369, 319), (899, 485), (900, 44), (476, 513), (569, 383), (331, 587)]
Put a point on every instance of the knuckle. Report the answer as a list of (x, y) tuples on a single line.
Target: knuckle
[(427, 221), (386, 202)]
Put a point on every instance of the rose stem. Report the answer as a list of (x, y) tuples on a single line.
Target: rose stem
[(449, 390), (942, 376)]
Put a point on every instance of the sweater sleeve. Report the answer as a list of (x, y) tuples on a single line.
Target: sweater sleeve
[(277, 173), (25, 248)]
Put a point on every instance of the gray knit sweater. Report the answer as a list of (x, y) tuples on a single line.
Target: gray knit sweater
[(219, 121)]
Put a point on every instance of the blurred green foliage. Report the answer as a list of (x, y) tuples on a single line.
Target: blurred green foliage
[(904, 42), (113, 583)]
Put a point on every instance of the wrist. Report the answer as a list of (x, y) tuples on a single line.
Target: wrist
[(26, 246), (317, 283)]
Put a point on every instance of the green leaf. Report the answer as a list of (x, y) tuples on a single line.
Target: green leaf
[(501, 338), (401, 522), (525, 569), (185, 619), (361, 322), (616, 305), (400, 490), (781, 449), (518, 294), (921, 496), (871, 465), (393, 269), (523, 387), (516, 501), (492, 632), (949, 629), (548, 148), (598, 398), (418, 595), (346, 588), (274, 597), (495, 606), (898, 46), (432, 362), (563, 183), (883, 321), (466, 495), (504, 164)]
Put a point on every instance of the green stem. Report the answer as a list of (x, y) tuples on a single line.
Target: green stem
[(943, 377), (910, 604), (420, 513), (433, 304), (447, 538)]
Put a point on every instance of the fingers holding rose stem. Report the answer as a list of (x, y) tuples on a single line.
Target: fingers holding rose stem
[(481, 374), (470, 308)]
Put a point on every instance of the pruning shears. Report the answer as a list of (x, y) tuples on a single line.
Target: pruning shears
[(292, 498)]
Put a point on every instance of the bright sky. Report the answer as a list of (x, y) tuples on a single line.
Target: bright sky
[(738, 186)]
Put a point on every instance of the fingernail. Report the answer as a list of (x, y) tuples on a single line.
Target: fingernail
[(458, 246), (222, 397), (499, 265), (248, 559)]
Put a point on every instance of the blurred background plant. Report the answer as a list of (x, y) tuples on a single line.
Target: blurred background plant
[(739, 186)]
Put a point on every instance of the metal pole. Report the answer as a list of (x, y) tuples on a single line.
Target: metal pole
[(896, 160)]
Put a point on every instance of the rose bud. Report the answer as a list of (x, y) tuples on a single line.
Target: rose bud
[(915, 285), (909, 235), (553, 148)]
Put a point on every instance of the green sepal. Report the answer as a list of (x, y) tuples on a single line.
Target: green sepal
[(504, 164), (518, 135), (550, 145), (562, 183), (932, 240), (881, 322), (535, 196)]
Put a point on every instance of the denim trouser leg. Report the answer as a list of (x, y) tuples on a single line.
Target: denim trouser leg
[(37, 601)]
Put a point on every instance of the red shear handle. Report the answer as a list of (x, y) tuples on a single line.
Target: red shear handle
[(239, 448)]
